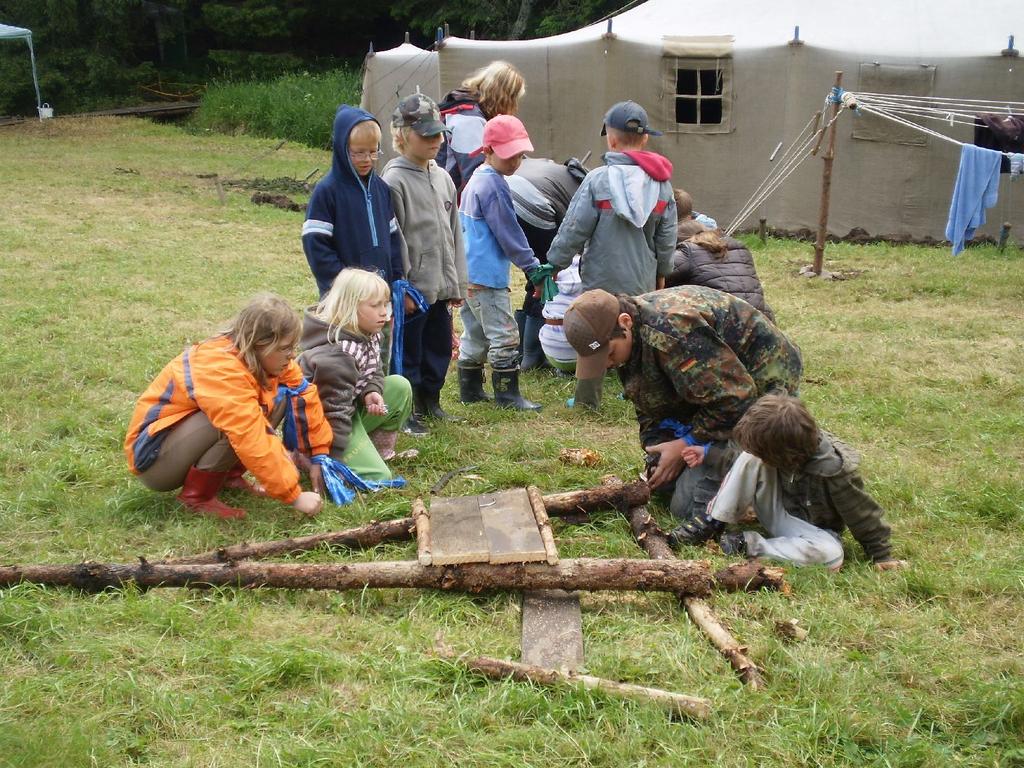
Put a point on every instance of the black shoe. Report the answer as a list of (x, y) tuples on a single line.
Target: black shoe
[(506, 391), (414, 427), (471, 384), (430, 407), (696, 530), (733, 543)]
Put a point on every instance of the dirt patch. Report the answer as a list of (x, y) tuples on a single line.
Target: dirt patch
[(278, 201)]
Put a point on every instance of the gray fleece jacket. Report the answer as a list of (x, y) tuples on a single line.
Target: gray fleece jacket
[(344, 372), (428, 217), (625, 215)]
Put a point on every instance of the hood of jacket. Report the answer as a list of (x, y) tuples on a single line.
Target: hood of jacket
[(317, 333), (831, 458), (345, 119), (459, 96), (400, 163), (634, 191)]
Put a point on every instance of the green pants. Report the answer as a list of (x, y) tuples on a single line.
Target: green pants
[(361, 456)]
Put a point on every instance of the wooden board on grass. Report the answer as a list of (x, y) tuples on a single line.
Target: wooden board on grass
[(457, 531), (511, 528)]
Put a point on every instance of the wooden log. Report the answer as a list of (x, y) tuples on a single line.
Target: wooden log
[(690, 577), (498, 669), (369, 535), (422, 518), (751, 576), (652, 539), (615, 496), (543, 524)]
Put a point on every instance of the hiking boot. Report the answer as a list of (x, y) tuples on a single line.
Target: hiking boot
[(696, 530), (471, 384), (733, 543), (506, 391), (199, 493)]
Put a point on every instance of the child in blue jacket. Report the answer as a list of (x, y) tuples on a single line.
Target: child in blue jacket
[(349, 220)]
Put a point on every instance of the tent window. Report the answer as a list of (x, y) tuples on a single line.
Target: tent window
[(698, 94)]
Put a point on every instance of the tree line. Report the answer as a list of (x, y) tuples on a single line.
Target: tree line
[(98, 53)]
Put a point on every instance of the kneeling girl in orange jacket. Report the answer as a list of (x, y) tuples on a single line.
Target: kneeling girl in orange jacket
[(212, 412)]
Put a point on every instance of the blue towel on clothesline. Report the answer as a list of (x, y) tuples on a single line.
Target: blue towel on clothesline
[(977, 188)]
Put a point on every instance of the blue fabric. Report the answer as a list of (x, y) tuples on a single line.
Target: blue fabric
[(289, 428), (350, 221), (977, 188), (399, 290), (491, 232), (682, 432), (427, 348), (705, 220), (338, 478)]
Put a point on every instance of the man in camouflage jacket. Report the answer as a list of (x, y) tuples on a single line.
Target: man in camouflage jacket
[(692, 355)]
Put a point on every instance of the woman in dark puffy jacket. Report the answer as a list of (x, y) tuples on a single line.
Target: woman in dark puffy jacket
[(703, 257)]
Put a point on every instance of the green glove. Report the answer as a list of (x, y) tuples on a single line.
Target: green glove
[(542, 278)]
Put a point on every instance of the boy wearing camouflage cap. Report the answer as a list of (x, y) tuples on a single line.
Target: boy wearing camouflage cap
[(423, 196)]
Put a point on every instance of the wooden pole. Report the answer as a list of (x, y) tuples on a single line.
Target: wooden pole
[(498, 669), (422, 518), (543, 524), (369, 535), (826, 185), (691, 577), (614, 496), (652, 539)]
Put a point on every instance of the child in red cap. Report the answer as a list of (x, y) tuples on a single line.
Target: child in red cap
[(493, 239)]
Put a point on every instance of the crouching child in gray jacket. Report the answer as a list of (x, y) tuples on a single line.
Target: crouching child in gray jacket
[(805, 488)]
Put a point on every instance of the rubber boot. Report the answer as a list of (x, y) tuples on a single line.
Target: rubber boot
[(533, 353), (199, 493), (237, 481), (506, 391), (588, 394), (429, 405), (471, 383), (520, 316)]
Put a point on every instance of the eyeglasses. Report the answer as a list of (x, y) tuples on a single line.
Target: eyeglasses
[(364, 155)]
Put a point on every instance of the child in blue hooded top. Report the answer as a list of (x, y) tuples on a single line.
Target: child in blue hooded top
[(349, 220)]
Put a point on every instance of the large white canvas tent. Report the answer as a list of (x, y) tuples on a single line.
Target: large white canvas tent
[(20, 33), (728, 80)]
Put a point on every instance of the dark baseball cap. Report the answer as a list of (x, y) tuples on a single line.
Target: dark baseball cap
[(588, 326), (628, 117), (420, 113)]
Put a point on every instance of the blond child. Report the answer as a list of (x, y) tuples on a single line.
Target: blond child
[(424, 200), (209, 416), (341, 338)]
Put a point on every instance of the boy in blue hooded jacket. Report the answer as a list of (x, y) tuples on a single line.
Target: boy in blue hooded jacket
[(349, 220)]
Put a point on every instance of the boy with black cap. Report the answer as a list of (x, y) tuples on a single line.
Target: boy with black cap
[(623, 219), (423, 196), (692, 360)]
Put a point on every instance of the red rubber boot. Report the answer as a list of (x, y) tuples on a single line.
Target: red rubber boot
[(236, 481), (199, 493)]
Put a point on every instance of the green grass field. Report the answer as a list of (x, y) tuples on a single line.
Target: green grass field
[(118, 249)]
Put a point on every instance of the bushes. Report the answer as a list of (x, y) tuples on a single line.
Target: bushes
[(298, 107)]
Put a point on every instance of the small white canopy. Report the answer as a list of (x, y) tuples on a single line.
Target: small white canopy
[(8, 32)]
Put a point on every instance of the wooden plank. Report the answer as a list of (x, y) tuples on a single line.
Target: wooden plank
[(511, 527), (552, 630), (457, 531)]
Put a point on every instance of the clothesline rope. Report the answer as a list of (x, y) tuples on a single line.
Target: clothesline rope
[(972, 105), (779, 175)]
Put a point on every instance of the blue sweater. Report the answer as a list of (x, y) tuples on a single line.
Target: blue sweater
[(349, 219), (491, 234)]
